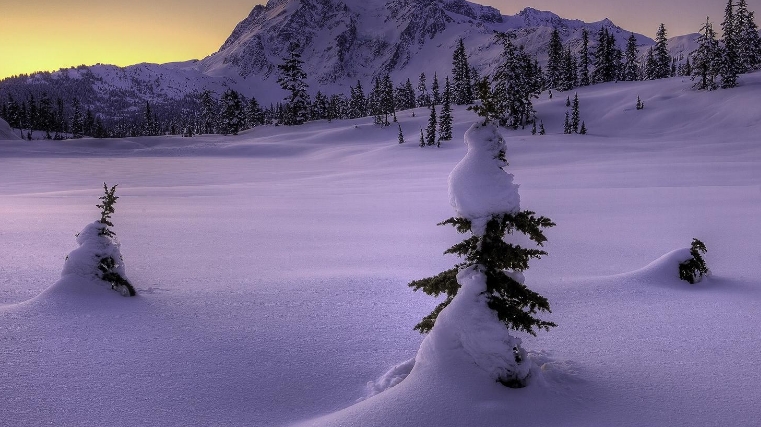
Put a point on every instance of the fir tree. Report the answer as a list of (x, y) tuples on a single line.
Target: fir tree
[(541, 128), (661, 55), (422, 138), (486, 253), (423, 97), (430, 131), (705, 60), (516, 82), (77, 120), (357, 102), (233, 117), (401, 135), (567, 124), (445, 119), (631, 60), (583, 129), (640, 104), (461, 77), (607, 58), (748, 39), (554, 73), (209, 115), (292, 79), (111, 269), (584, 79), (729, 67), (254, 113), (435, 93), (533, 127), (575, 114), (567, 101), (650, 67), (694, 268)]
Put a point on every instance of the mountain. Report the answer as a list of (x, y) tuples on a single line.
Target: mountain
[(341, 42)]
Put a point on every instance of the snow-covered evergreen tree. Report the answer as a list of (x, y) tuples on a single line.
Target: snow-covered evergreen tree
[(661, 55), (422, 139), (554, 69), (233, 118), (607, 58), (445, 119), (489, 284), (430, 131), (254, 113), (631, 60), (400, 136), (748, 38), (293, 80), (77, 119), (461, 76), (584, 79), (730, 66), (516, 82), (706, 58), (98, 256), (435, 90), (693, 269), (575, 115), (357, 102), (209, 113), (423, 97)]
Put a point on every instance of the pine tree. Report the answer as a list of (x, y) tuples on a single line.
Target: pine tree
[(575, 114), (541, 128), (554, 73), (435, 94), (423, 97), (583, 129), (445, 119), (209, 115), (77, 120), (705, 60), (631, 61), (357, 102), (661, 55), (567, 101), (293, 80), (607, 58), (111, 270), (401, 135), (694, 268), (422, 138), (233, 117), (584, 79), (640, 104), (461, 77), (387, 99), (486, 253), (650, 66), (430, 131), (729, 68), (254, 113), (748, 39), (516, 82), (533, 127), (567, 124)]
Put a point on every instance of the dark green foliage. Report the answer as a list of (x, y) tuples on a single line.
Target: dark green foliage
[(631, 60), (430, 131), (661, 55), (514, 303), (107, 209), (584, 79), (293, 79), (575, 114), (640, 104), (422, 138), (583, 130), (694, 268), (445, 119), (107, 265), (461, 76), (706, 59), (401, 135)]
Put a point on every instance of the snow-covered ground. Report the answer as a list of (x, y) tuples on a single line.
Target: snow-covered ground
[(272, 268)]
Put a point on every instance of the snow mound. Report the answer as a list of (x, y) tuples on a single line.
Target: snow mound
[(392, 377), (467, 332), (663, 271), (81, 274), (6, 133), (478, 186)]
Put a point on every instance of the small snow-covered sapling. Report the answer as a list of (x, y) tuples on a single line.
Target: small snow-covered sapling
[(111, 269), (694, 268)]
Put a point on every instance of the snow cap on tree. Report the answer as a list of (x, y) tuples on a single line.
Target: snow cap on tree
[(478, 186)]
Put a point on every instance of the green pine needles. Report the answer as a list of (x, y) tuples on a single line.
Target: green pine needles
[(108, 266), (694, 268), (501, 262)]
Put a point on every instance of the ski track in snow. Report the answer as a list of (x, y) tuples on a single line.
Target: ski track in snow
[(272, 267)]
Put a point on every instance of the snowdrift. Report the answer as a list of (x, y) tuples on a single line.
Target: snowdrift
[(6, 133)]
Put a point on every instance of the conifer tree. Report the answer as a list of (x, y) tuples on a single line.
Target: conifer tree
[(748, 39), (533, 126), (461, 76), (77, 120), (705, 60), (661, 54), (640, 104), (485, 252), (208, 113), (445, 119), (516, 82), (401, 135), (554, 73), (430, 131), (583, 130), (631, 60), (357, 102), (567, 124), (694, 268), (607, 58), (293, 80), (584, 79), (423, 97), (435, 92), (541, 128), (575, 114), (233, 118), (254, 113), (729, 68), (422, 138)]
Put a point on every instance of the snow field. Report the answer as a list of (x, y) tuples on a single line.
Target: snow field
[(272, 267)]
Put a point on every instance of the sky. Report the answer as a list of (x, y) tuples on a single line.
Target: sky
[(45, 35)]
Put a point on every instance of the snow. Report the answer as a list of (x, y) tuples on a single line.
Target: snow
[(6, 133), (271, 270), (478, 186)]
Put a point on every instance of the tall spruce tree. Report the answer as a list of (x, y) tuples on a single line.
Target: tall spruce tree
[(293, 80), (77, 120), (584, 79), (357, 102), (730, 67), (631, 60), (435, 91), (461, 76), (554, 71), (423, 97), (575, 115), (748, 38), (430, 130), (661, 54), (445, 119), (233, 118), (705, 59), (516, 82)]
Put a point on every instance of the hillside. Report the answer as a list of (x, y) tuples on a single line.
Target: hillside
[(272, 272)]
